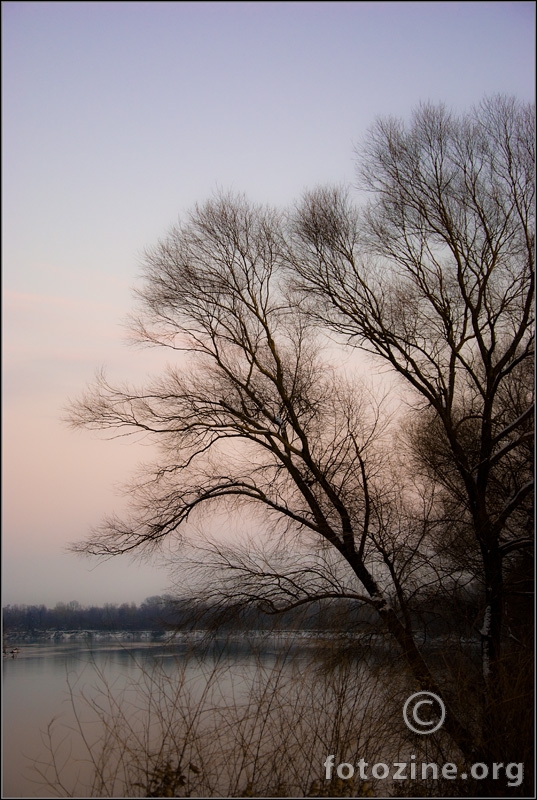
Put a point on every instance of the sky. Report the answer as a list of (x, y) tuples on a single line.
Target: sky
[(116, 119)]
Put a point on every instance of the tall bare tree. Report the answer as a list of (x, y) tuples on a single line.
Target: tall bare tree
[(436, 279)]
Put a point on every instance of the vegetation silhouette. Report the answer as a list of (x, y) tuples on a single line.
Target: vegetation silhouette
[(401, 502)]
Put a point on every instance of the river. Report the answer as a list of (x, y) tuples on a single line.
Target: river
[(139, 718)]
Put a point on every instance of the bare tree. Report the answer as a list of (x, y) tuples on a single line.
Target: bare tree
[(436, 278), (257, 416)]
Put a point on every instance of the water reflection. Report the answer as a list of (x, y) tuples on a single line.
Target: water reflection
[(205, 718)]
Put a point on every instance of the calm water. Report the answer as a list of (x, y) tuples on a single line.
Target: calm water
[(40, 683)]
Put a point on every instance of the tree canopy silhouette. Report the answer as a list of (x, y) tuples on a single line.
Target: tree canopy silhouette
[(434, 279)]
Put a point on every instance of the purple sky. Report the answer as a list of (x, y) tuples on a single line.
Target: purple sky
[(117, 117)]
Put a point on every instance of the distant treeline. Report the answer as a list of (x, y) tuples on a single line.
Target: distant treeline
[(156, 614), (162, 613), (153, 613)]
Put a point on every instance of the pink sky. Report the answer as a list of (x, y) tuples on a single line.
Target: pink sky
[(117, 117)]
